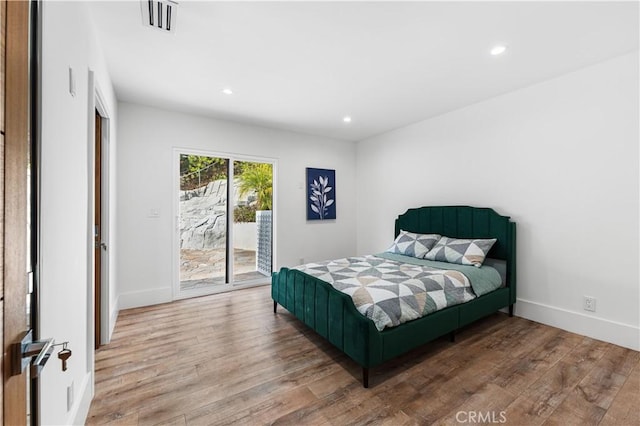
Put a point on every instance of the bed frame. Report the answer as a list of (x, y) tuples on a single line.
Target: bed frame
[(333, 315)]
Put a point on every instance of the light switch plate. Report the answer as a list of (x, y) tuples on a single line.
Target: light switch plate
[(72, 82)]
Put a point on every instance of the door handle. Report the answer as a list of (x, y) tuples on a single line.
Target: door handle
[(104, 246), (28, 351)]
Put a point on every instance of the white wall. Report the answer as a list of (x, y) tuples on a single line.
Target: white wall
[(146, 139), (67, 152), (560, 158), (244, 236)]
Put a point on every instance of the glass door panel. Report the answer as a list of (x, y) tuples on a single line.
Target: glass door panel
[(224, 222), (202, 221), (252, 212)]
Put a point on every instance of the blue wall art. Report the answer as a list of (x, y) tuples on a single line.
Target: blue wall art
[(321, 194)]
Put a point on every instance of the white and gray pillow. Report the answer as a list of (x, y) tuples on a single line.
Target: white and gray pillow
[(414, 245), (461, 251)]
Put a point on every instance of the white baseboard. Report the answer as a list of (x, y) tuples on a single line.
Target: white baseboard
[(576, 322), (80, 410), (135, 299), (114, 317)]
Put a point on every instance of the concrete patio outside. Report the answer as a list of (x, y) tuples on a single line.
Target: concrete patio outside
[(201, 268)]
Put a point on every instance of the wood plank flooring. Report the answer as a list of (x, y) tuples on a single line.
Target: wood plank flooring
[(227, 359)]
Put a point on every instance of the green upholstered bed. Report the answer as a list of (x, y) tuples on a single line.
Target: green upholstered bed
[(333, 315)]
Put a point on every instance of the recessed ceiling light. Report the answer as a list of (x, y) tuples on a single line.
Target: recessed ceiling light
[(347, 119), (227, 91), (498, 49)]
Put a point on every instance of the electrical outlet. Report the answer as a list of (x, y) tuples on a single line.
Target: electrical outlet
[(70, 396), (589, 303)]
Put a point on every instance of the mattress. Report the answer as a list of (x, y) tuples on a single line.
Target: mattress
[(391, 289)]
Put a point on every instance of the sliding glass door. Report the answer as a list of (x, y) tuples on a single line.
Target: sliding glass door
[(203, 220), (224, 222), (252, 211)]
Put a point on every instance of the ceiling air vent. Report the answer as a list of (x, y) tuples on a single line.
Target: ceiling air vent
[(159, 14)]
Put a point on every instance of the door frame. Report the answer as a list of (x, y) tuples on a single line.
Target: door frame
[(36, 139), (96, 102), (221, 288), (97, 224)]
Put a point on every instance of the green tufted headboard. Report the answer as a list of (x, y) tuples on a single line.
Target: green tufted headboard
[(466, 222)]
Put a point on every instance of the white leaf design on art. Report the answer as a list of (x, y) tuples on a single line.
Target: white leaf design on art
[(320, 202)]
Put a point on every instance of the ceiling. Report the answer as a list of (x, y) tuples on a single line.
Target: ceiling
[(303, 66)]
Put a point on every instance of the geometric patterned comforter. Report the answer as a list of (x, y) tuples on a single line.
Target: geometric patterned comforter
[(390, 292)]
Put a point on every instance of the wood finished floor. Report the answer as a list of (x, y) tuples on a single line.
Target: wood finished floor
[(227, 359)]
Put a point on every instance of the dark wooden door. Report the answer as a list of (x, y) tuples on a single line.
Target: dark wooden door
[(15, 161)]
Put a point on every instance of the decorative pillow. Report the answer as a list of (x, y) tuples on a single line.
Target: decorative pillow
[(464, 252), (415, 245)]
